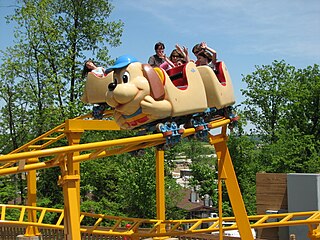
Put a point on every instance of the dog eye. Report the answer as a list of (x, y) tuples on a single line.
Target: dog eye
[(125, 77)]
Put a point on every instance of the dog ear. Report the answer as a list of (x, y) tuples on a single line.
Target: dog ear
[(156, 84)]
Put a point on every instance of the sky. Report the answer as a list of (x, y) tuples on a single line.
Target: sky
[(245, 33)]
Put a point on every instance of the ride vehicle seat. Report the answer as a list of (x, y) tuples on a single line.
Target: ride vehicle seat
[(95, 88), (218, 85), (185, 91), (220, 73), (178, 76)]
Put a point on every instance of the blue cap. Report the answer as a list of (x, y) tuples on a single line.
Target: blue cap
[(122, 61)]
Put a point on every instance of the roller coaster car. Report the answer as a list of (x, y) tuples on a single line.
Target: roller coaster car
[(141, 94), (96, 88)]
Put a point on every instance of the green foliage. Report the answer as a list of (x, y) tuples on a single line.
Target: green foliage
[(48, 188), (283, 103), (265, 98), (40, 76), (104, 206), (49, 217), (205, 176), (12, 214), (173, 197), (247, 161), (100, 181), (138, 185), (196, 150), (293, 152), (7, 189)]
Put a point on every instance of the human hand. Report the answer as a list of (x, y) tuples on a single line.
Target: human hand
[(186, 54), (162, 55), (181, 50), (204, 45), (185, 50)]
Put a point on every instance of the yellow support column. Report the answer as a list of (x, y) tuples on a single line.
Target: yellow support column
[(74, 138), (32, 199), (220, 177), (70, 182), (226, 171), (71, 207), (161, 208)]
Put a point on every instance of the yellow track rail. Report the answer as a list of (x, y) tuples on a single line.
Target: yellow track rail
[(113, 225), (57, 156), (50, 137)]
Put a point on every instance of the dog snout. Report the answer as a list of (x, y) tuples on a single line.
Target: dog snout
[(112, 86)]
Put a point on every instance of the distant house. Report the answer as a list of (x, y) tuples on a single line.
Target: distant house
[(196, 207)]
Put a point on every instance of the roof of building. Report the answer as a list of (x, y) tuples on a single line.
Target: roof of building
[(186, 203)]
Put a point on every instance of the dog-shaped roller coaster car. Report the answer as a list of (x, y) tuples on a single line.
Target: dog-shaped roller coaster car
[(144, 96)]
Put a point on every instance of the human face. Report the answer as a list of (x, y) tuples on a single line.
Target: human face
[(160, 51), (196, 52), (202, 60), (174, 58), (179, 63), (91, 65)]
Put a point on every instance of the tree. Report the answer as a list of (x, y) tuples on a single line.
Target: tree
[(100, 184), (40, 75), (137, 187), (283, 104), (7, 189), (247, 160), (53, 38), (302, 109), (265, 98), (138, 183)]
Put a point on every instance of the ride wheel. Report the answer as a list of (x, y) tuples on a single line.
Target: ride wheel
[(159, 127), (199, 128), (167, 134), (181, 131)]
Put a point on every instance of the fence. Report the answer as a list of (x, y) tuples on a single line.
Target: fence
[(9, 232)]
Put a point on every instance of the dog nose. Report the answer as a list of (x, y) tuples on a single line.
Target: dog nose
[(112, 86)]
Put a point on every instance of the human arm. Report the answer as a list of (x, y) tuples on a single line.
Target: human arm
[(168, 61), (152, 61), (184, 51), (165, 66), (205, 47)]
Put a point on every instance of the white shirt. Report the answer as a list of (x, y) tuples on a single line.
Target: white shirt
[(99, 71)]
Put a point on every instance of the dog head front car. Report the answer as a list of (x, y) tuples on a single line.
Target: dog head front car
[(129, 86)]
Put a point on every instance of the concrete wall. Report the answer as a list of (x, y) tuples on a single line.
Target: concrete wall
[(303, 196)]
